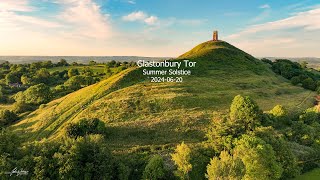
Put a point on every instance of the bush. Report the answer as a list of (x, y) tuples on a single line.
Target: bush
[(7, 117), (309, 84), (87, 158), (225, 167), (21, 107), (155, 168), (37, 94), (84, 127), (295, 80), (245, 111), (182, 158)]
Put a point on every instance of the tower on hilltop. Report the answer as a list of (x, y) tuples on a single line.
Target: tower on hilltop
[(215, 36)]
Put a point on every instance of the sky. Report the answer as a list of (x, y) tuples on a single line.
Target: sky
[(157, 28)]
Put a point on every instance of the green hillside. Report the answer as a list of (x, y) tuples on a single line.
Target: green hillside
[(140, 113)]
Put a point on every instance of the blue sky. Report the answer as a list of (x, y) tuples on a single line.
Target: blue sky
[(158, 27)]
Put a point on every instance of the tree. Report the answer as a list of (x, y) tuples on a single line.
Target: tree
[(87, 71), (295, 80), (12, 78), (85, 127), (304, 64), (155, 169), (225, 167), (7, 117), (42, 75), (258, 158), (92, 63), (309, 84), (21, 106), (268, 61), (280, 115), (26, 80), (283, 151), (245, 112), (182, 158), (75, 82), (221, 133), (62, 62), (86, 158), (73, 72), (37, 94)]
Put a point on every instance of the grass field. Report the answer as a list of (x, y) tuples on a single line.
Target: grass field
[(143, 114), (312, 175)]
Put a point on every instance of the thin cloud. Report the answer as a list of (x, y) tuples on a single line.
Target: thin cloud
[(131, 2), (308, 20), (142, 17), (16, 5), (265, 6), (85, 19)]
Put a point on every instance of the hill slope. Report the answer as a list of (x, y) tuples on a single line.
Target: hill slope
[(142, 113)]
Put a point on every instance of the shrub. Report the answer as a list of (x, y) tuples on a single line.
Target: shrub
[(84, 127), (309, 84), (182, 158), (225, 167), (295, 80), (7, 117), (245, 111), (155, 168), (37, 94), (21, 107), (258, 158)]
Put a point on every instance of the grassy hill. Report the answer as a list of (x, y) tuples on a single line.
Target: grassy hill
[(140, 113)]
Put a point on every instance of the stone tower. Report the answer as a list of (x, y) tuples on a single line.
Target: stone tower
[(215, 36)]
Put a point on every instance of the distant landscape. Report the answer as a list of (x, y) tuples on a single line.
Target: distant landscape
[(79, 59)]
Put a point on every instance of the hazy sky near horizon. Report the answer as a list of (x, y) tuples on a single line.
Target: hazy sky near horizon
[(157, 27)]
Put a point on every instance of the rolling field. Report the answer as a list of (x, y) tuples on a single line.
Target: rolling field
[(140, 114)]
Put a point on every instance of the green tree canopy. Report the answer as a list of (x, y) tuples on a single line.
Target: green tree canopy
[(37, 94), (258, 158), (245, 112), (155, 169), (225, 167), (181, 158)]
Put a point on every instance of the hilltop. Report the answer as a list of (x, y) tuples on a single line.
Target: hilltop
[(140, 113)]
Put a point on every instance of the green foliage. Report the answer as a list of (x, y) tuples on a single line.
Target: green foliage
[(310, 116), (283, 152), (37, 94), (258, 158), (85, 127), (298, 73), (12, 78), (295, 80), (76, 82), (181, 158), (26, 80), (222, 132), (87, 158), (42, 75), (225, 167), (7, 117), (280, 116), (73, 72), (309, 84), (245, 111), (155, 169), (21, 107)]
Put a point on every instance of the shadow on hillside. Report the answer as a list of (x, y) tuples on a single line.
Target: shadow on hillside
[(126, 136)]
